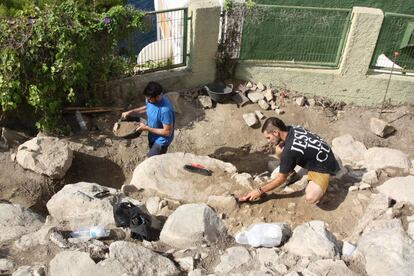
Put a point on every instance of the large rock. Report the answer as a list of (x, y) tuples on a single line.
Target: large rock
[(269, 260), (312, 239), (26, 270), (139, 260), (244, 179), (70, 263), (329, 268), (393, 161), (23, 187), (191, 225), (30, 240), (153, 205), (350, 152), (45, 155), (387, 250), (376, 210), (166, 174), (16, 221), (370, 177), (399, 188), (235, 259), (76, 206), (6, 266), (222, 203)]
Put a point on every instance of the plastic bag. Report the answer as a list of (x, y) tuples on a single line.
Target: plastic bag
[(264, 234)]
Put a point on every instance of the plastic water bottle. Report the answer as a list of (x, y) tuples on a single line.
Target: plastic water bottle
[(95, 232)]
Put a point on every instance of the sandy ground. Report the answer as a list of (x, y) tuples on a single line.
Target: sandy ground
[(221, 133)]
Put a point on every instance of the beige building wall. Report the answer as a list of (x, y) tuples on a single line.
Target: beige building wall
[(353, 82)]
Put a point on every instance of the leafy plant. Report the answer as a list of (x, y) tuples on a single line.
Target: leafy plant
[(55, 56), (250, 4), (151, 65), (228, 5), (229, 43), (12, 7)]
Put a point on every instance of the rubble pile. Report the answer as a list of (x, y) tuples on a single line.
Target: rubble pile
[(266, 98), (195, 229)]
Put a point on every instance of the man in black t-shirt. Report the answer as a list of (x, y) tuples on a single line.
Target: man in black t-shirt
[(303, 148)]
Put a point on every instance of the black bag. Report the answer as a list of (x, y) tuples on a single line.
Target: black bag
[(127, 214)]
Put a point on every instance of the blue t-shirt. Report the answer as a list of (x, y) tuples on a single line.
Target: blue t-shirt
[(159, 114)]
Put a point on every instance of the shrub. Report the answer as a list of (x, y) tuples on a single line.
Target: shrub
[(12, 7), (55, 56)]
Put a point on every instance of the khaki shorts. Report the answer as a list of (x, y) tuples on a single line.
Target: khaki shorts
[(321, 179)]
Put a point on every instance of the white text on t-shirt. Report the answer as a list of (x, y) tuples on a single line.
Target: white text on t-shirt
[(302, 141)]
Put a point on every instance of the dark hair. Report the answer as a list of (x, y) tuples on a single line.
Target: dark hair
[(153, 89), (271, 123)]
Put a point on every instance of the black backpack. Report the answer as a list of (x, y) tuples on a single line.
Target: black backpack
[(129, 215)]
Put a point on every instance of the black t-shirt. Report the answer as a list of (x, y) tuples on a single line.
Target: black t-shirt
[(307, 150)]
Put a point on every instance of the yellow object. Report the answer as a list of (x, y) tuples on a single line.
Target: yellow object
[(321, 179)]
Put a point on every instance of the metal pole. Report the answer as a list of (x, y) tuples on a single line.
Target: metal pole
[(396, 54)]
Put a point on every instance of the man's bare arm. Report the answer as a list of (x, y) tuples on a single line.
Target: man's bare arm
[(273, 184), (138, 110), (165, 131), (276, 182)]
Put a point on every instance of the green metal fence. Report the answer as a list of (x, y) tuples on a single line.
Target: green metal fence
[(163, 45), (397, 35), (297, 35)]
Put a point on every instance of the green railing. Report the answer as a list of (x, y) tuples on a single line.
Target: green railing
[(295, 35), (164, 43), (397, 35)]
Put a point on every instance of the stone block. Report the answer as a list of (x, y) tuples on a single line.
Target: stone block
[(259, 114), (263, 104), (255, 96), (250, 119), (205, 102), (381, 128)]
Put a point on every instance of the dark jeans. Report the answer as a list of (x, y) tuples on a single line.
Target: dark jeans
[(156, 149)]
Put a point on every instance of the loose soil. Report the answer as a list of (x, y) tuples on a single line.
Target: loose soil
[(221, 133)]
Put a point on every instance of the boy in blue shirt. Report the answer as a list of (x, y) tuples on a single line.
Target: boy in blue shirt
[(161, 119)]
